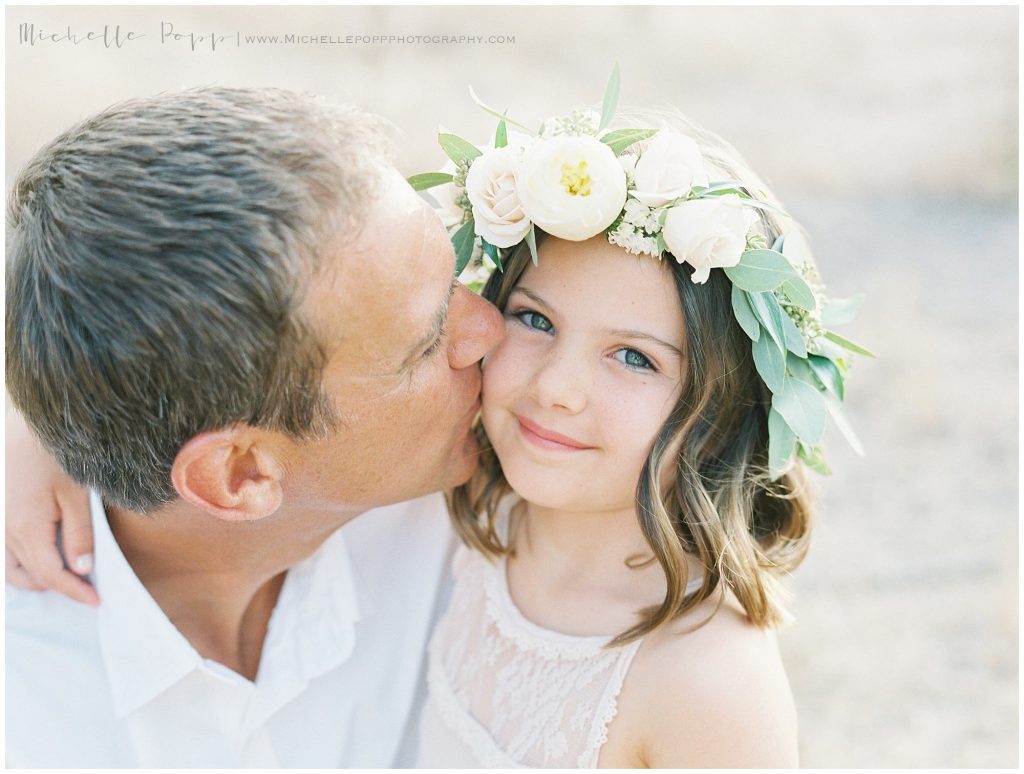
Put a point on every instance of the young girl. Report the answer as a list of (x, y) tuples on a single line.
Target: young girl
[(664, 380), (641, 491)]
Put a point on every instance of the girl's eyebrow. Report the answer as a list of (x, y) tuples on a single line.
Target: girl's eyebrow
[(530, 295), (625, 333)]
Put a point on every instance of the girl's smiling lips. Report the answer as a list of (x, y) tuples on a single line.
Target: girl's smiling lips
[(548, 439)]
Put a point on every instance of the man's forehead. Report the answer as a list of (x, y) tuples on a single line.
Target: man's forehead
[(390, 281)]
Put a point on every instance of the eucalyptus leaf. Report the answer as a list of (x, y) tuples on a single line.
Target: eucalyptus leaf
[(835, 410), (828, 373), (766, 308), (495, 113), (660, 242), (779, 242), (761, 205), (611, 98), (781, 443), (721, 186), (769, 362), (803, 408), (744, 314), (462, 241), (501, 135), (800, 369), (620, 139), (456, 148), (847, 344), (798, 292), (840, 310), (794, 338), (531, 242), (814, 458), (429, 180), (761, 270)]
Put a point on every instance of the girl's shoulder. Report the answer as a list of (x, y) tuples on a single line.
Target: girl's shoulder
[(714, 696)]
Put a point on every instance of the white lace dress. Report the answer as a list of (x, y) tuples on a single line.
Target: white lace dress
[(506, 693)]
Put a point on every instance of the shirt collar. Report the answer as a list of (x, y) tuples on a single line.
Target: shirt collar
[(311, 630)]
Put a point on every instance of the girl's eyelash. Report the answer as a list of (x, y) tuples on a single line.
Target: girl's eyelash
[(521, 313)]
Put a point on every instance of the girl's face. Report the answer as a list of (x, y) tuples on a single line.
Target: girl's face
[(590, 368)]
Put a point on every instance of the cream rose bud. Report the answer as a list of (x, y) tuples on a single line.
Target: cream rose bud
[(572, 187), (708, 233), (669, 167), (491, 187)]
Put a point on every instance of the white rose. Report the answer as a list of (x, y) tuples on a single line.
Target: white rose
[(708, 233), (491, 187), (573, 187), (669, 167)]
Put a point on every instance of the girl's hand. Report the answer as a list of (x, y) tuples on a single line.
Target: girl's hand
[(41, 499)]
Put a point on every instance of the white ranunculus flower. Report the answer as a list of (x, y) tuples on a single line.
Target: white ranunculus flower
[(491, 187), (669, 167), (708, 233), (572, 187)]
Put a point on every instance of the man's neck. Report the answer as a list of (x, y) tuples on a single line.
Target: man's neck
[(218, 581)]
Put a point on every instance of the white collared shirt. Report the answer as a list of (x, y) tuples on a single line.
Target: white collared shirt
[(340, 681)]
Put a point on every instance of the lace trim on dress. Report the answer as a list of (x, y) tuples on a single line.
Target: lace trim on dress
[(462, 723), (524, 633), (608, 708)]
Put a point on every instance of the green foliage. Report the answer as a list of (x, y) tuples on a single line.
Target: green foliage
[(761, 270), (429, 180), (770, 363), (531, 242), (611, 98), (497, 114), (462, 241), (814, 458), (847, 344), (501, 136), (840, 310), (457, 149), (744, 314), (803, 408), (794, 338), (828, 374), (835, 410), (798, 292), (766, 307), (621, 139), (781, 442)]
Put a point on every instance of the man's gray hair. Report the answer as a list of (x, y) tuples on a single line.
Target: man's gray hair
[(157, 257)]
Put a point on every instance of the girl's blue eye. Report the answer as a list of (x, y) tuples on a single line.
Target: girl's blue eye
[(633, 359), (534, 320)]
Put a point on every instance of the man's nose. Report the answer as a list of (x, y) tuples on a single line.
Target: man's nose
[(476, 328)]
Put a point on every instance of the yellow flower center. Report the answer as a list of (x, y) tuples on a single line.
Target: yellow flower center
[(575, 179)]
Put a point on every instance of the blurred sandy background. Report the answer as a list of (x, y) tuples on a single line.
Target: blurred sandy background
[(891, 133)]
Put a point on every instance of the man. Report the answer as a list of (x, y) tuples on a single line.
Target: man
[(234, 320)]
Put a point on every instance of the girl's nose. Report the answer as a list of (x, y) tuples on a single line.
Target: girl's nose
[(560, 382)]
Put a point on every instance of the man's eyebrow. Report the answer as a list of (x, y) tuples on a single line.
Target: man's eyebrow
[(440, 318), (625, 333)]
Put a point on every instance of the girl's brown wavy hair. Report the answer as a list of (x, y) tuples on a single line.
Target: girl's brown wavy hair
[(705, 488)]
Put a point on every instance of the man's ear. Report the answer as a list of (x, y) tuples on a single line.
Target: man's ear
[(235, 474)]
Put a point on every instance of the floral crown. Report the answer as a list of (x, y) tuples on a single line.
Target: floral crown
[(575, 179)]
